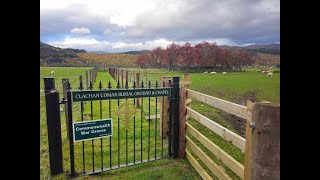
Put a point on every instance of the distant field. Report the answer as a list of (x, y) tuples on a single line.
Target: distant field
[(110, 59), (236, 86)]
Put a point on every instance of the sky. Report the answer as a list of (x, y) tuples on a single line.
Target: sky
[(125, 25)]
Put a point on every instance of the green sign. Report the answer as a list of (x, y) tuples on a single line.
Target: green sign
[(94, 129), (88, 95)]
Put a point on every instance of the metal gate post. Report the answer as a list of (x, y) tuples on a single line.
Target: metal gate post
[(54, 126), (175, 116)]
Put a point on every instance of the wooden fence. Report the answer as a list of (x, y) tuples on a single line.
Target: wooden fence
[(253, 168)]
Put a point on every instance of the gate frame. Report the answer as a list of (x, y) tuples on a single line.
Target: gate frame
[(173, 122)]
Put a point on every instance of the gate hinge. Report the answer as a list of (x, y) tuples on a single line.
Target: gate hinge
[(63, 101)]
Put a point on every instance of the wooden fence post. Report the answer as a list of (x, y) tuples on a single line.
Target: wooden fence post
[(121, 78), (182, 123), (87, 81), (186, 80), (248, 141), (186, 83), (164, 105), (146, 77), (265, 141), (127, 77)]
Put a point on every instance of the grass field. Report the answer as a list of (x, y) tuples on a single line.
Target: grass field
[(73, 75), (236, 87), (164, 167)]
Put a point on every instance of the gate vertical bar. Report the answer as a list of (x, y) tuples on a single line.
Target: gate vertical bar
[(138, 85), (54, 126), (101, 150), (118, 86), (82, 108), (92, 141), (169, 120), (149, 86), (64, 89), (70, 129), (155, 124), (110, 145), (141, 123), (161, 126), (134, 128), (127, 122)]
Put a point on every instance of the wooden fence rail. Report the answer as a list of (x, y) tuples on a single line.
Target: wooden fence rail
[(223, 132), (230, 107), (228, 135), (233, 164)]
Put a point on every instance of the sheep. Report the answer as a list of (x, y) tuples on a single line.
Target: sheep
[(263, 72), (213, 73), (269, 74), (53, 73), (224, 73), (205, 72)]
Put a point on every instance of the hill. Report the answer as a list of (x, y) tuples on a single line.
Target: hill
[(109, 59), (50, 54), (135, 52), (256, 49)]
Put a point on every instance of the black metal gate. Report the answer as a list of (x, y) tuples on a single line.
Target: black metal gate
[(137, 137)]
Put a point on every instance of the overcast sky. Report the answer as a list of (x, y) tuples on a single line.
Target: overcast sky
[(122, 25)]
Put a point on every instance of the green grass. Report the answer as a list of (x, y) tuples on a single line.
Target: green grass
[(238, 86), (235, 87), (163, 169), (73, 75)]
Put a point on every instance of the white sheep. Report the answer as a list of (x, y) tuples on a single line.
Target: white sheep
[(263, 72), (53, 73), (269, 74), (205, 72), (213, 73), (224, 73)]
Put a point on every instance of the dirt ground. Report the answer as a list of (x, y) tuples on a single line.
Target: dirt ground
[(238, 123)]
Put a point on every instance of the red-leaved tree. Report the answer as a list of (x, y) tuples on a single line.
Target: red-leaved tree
[(143, 60)]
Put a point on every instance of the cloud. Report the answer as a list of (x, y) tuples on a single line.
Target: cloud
[(91, 44), (141, 23), (80, 31), (107, 32)]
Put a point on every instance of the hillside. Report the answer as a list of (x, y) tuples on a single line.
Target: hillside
[(256, 49), (122, 60), (50, 54), (135, 52)]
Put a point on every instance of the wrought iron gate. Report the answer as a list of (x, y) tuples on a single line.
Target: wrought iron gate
[(137, 136)]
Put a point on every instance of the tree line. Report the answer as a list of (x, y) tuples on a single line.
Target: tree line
[(186, 56)]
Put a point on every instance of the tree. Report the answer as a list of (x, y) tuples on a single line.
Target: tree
[(172, 54), (156, 56), (188, 55), (143, 60)]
